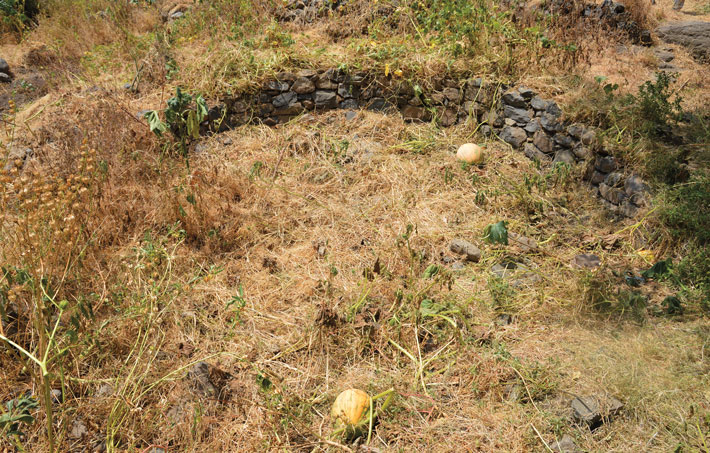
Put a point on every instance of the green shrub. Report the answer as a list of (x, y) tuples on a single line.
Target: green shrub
[(686, 210)]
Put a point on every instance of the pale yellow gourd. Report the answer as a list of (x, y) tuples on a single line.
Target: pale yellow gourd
[(470, 153), (349, 406)]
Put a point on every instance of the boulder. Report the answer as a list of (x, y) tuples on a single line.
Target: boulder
[(695, 35)]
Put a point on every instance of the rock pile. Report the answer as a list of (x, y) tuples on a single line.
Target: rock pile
[(518, 116)]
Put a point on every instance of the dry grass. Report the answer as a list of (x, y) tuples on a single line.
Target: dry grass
[(298, 216)]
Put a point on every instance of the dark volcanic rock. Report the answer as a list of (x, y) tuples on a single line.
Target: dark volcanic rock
[(514, 136), (594, 410)]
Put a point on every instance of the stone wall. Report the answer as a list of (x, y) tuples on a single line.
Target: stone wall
[(518, 116)]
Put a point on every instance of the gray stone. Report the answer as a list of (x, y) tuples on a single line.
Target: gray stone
[(588, 137), (303, 85), (581, 151), (452, 94), (104, 391), (4, 67), (634, 184), (543, 142), (200, 378), (291, 109), (509, 122), (564, 140), (486, 130), (226, 141), (379, 105), (5, 78), (347, 91), (638, 199), (78, 430), (463, 247), (324, 83), (564, 445), (458, 266), (284, 99), (514, 99), (349, 104), (520, 115), (553, 109), (532, 127), (564, 155), (532, 153), (514, 136), (326, 99), (176, 15), (526, 92), (606, 164), (586, 261), (539, 104), (286, 76), (695, 35), (595, 410), (550, 123), (275, 85)]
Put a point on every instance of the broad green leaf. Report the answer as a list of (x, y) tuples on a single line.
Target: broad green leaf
[(496, 233), (154, 122), (659, 269)]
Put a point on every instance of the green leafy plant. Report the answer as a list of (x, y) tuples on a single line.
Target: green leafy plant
[(183, 116), (496, 233), (17, 412), (658, 105)]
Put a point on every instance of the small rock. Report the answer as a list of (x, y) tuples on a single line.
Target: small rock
[(412, 113), (564, 155), (4, 67), (532, 153), (550, 123), (553, 109), (303, 85), (586, 261), (514, 99), (615, 196), (226, 141), (463, 247), (56, 396), (200, 377), (606, 164), (176, 15), (276, 85), (4, 78), (581, 151), (348, 104), (543, 142), (325, 99), (514, 136), (563, 140), (285, 99), (458, 266), (628, 209), (539, 104), (594, 410), (664, 55), (564, 445), (525, 243), (588, 137), (350, 115), (520, 115), (532, 126), (200, 148), (526, 92), (448, 117), (78, 429), (127, 86)]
